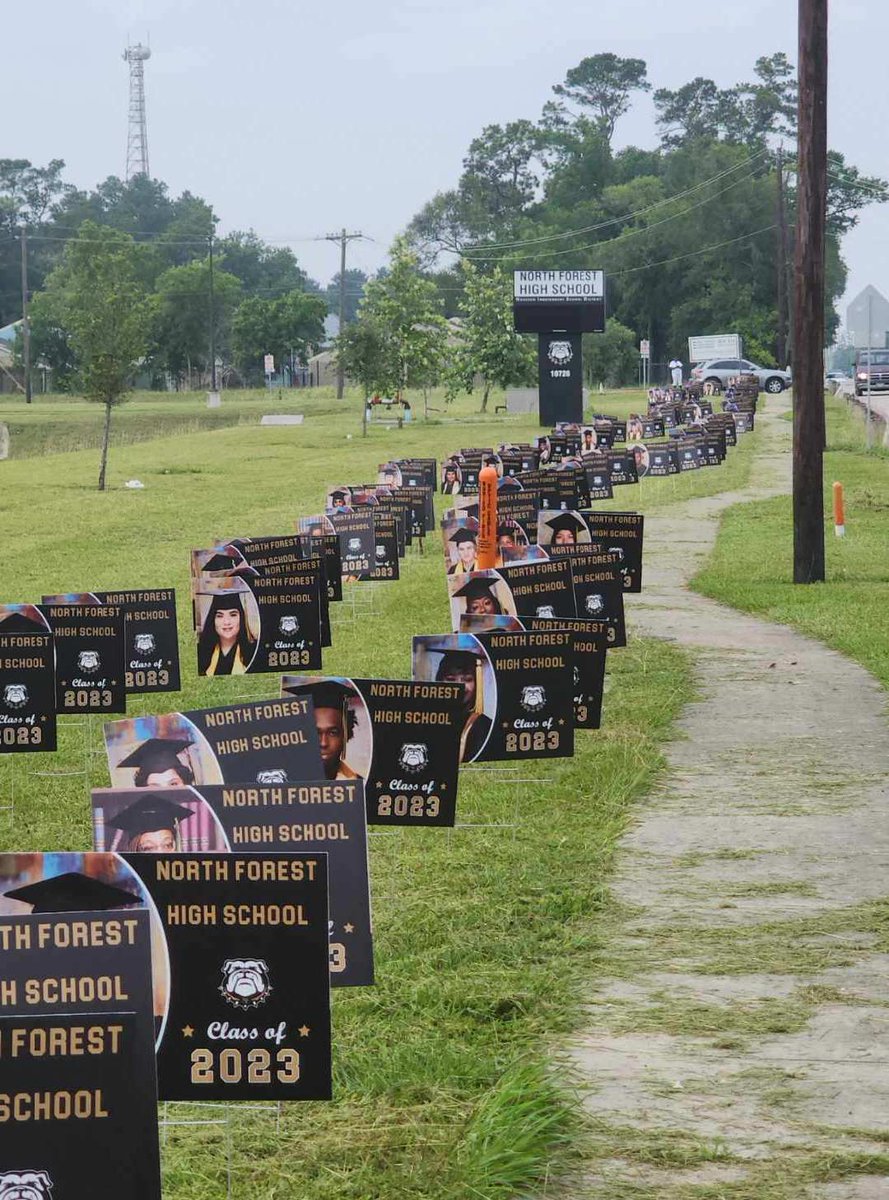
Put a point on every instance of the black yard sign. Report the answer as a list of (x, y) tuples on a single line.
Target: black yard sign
[(78, 1110)]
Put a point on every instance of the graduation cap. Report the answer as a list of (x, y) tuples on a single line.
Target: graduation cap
[(460, 659), (491, 460), (566, 521), (451, 466), (329, 694), (223, 562), (478, 589), (149, 813), (72, 892), (506, 531), (17, 622), (463, 535), (157, 754), (339, 496), (471, 510)]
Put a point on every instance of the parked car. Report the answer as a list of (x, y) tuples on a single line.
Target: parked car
[(720, 370), (874, 363)]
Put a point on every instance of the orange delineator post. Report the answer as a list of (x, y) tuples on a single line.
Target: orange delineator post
[(839, 511), (486, 544)]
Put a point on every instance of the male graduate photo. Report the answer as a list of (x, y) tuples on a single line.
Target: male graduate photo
[(464, 541)]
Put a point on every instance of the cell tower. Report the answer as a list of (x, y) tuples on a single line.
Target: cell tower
[(137, 135)]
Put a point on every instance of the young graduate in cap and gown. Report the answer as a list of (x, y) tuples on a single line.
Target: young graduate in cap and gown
[(465, 541), (151, 824), (565, 529), (335, 721), (464, 666), (72, 892), (157, 763), (226, 645), (480, 597)]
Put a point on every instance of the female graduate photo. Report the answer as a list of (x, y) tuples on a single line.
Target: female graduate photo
[(227, 644)]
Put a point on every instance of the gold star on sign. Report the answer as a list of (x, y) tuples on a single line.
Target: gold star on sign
[(303, 1031), (188, 1031), (348, 928)]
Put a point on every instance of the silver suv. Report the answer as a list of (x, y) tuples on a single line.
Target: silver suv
[(721, 370)]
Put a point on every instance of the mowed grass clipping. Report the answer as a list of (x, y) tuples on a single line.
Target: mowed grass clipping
[(486, 936), (752, 565)]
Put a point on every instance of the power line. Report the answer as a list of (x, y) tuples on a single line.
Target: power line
[(744, 237), (631, 233), (615, 220)]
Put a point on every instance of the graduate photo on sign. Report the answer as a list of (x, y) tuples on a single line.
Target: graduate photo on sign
[(456, 658), (85, 882), (451, 478), (269, 741), (157, 822), (561, 529), (642, 459), (312, 816), (229, 630), (238, 941), (460, 536), (342, 722), (482, 593)]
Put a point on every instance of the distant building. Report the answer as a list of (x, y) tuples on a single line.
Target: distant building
[(857, 319)]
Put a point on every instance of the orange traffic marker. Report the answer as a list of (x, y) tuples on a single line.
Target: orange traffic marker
[(839, 511), (487, 518)]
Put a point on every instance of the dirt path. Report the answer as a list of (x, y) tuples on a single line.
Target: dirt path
[(739, 1044)]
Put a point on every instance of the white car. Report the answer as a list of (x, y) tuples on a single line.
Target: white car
[(720, 370)]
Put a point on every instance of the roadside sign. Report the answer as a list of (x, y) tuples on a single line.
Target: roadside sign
[(645, 348), (718, 345), (269, 361), (559, 301)]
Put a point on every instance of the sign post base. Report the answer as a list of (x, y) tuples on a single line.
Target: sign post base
[(560, 378)]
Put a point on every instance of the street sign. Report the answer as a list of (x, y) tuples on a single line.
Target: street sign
[(718, 345), (645, 348), (559, 301), (269, 361)]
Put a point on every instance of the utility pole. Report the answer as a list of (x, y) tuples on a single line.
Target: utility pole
[(870, 343), (782, 256), (213, 388), (343, 238), (808, 323), (26, 320)]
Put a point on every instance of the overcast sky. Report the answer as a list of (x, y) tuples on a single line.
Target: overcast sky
[(296, 117)]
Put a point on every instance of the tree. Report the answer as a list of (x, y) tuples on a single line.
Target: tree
[(102, 306), (291, 324), (406, 310), (604, 83), (264, 270), (27, 194), (355, 281), (181, 315), (488, 347), (611, 357), (365, 354)]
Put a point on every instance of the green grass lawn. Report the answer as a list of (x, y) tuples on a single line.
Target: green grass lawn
[(486, 936), (752, 565)]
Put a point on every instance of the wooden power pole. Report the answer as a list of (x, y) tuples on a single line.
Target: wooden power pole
[(808, 317), (781, 258), (26, 318), (343, 238)]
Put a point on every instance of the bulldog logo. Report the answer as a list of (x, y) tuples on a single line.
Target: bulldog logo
[(245, 983), (414, 757), (354, 545), (25, 1185), (545, 610), (618, 550), (380, 553), (533, 698), (15, 695), (577, 677), (275, 776), (88, 661), (144, 644), (560, 354), (594, 604), (288, 626)]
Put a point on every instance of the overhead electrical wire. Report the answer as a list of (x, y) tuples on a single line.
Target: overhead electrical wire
[(551, 237)]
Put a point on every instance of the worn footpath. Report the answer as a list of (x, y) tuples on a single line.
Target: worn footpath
[(738, 1044)]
